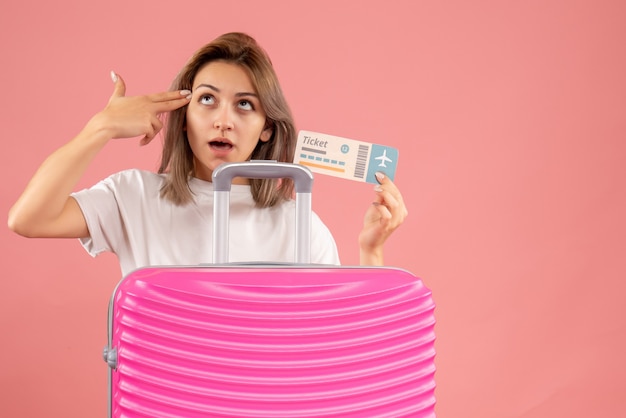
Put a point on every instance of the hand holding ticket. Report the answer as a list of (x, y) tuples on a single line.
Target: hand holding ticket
[(345, 158)]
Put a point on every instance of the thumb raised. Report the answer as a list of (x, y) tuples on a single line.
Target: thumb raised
[(120, 88)]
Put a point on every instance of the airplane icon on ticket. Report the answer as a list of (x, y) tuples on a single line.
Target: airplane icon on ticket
[(383, 159)]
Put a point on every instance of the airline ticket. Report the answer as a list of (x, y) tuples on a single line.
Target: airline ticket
[(345, 158)]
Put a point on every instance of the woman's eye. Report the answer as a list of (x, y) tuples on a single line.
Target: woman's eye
[(245, 105), (207, 99)]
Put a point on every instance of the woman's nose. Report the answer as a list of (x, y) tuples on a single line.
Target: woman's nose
[(223, 120)]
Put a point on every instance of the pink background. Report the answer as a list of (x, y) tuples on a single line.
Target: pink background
[(510, 120)]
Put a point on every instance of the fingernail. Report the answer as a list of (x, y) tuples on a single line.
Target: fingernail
[(114, 76), (185, 93), (379, 176), (378, 189)]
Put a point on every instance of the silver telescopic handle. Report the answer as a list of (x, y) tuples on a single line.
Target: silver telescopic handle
[(222, 179)]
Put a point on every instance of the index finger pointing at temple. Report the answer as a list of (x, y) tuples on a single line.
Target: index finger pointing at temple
[(172, 103), (167, 96)]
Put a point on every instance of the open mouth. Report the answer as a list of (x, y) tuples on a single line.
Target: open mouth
[(220, 145)]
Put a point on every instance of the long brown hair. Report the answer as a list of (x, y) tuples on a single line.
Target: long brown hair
[(177, 157)]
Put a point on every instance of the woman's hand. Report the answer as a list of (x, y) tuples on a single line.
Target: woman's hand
[(136, 116), (385, 214)]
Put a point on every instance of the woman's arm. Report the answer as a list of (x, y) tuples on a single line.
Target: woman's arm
[(382, 218), (45, 208)]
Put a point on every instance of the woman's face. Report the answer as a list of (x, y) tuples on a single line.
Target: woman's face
[(225, 120)]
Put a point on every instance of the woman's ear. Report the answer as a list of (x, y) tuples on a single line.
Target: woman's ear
[(266, 134)]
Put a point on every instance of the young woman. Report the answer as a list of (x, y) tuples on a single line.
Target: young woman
[(226, 106)]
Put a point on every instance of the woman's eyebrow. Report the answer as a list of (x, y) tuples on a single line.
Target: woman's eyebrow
[(215, 89), (208, 86)]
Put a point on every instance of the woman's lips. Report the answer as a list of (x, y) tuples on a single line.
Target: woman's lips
[(220, 145)]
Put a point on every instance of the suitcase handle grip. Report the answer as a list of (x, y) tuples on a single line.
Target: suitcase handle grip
[(222, 180), (262, 169)]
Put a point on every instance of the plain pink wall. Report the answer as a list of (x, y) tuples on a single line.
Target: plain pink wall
[(510, 120)]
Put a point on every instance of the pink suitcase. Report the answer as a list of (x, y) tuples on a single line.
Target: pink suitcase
[(274, 341)]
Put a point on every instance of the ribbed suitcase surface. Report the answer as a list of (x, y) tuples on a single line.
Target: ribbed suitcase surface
[(272, 342)]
